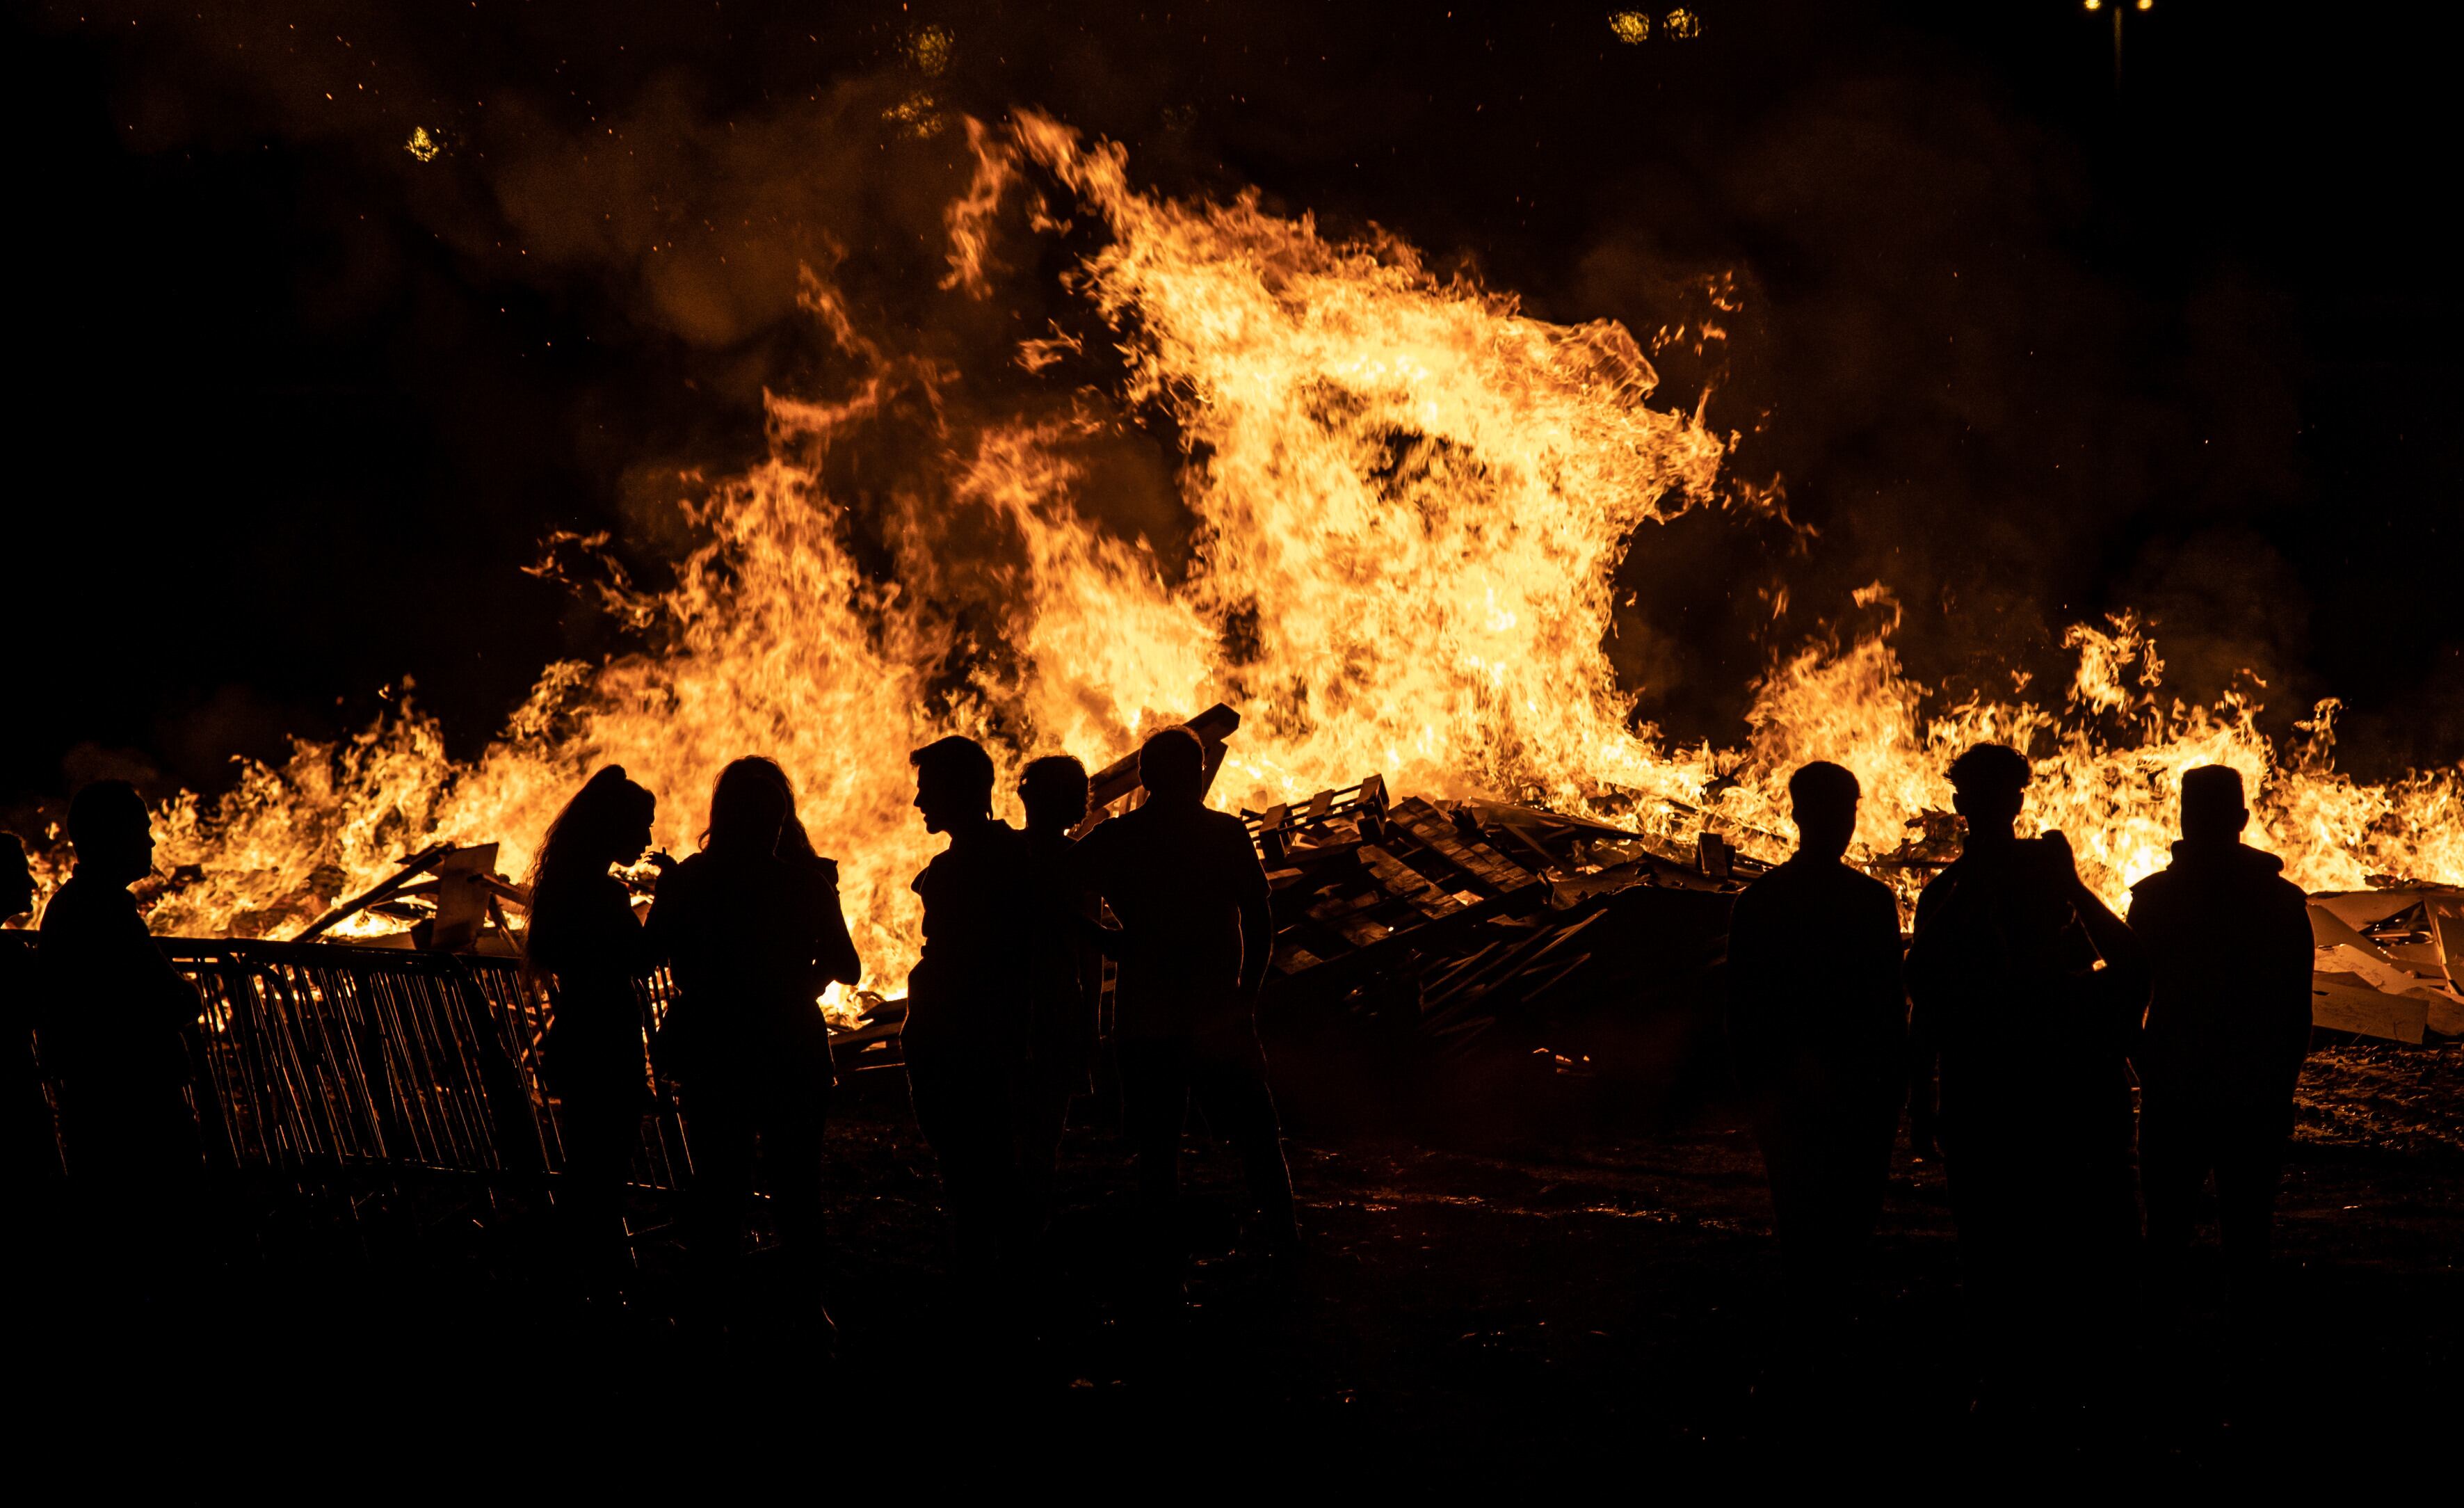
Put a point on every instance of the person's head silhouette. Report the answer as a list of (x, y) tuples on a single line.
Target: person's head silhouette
[(1823, 797), (17, 879), (1054, 791), (1172, 765), (954, 783), (1989, 785), (753, 810), (608, 821), (113, 832), (2213, 810)]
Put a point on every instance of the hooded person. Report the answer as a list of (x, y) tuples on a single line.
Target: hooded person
[(2229, 945)]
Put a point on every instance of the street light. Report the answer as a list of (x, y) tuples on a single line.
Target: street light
[(2118, 8)]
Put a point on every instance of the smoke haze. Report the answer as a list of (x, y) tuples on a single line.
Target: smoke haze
[(2024, 354)]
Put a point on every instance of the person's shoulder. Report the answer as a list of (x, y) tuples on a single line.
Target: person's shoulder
[(1232, 834), (60, 909), (812, 879), (80, 906), (1868, 890), (2157, 886), (1050, 848), (2264, 872), (1008, 851), (1826, 884), (1764, 890), (692, 873)]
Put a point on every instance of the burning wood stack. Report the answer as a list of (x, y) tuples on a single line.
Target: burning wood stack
[(1455, 918), (1456, 921), (1481, 928)]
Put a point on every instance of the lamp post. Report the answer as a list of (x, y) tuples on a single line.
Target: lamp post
[(2118, 7)]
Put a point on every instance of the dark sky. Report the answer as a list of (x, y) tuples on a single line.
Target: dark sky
[(294, 407)]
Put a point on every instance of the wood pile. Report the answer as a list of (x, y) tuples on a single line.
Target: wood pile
[(1457, 920), (2389, 961)]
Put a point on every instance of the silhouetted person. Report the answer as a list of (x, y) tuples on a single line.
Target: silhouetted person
[(32, 1151), (969, 1002), (583, 934), (1196, 935), (752, 927), (1818, 1025), (1061, 1057), (2030, 989), (2228, 940), (112, 1033)]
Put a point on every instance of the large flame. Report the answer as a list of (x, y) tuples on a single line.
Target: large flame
[(1410, 499)]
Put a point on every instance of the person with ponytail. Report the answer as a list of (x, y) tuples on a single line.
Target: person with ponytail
[(583, 939), (752, 926)]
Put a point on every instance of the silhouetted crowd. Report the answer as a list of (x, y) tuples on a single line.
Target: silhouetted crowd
[(2031, 1003)]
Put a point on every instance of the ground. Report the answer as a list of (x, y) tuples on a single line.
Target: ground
[(1467, 1304)]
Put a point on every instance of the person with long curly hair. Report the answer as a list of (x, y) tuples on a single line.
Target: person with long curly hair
[(753, 927)]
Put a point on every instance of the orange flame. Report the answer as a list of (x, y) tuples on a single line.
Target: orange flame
[(1410, 500)]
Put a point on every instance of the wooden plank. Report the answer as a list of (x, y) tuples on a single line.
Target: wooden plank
[(386, 889), (1120, 776), (2346, 1002)]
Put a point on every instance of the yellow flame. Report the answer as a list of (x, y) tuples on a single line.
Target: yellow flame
[(1410, 499)]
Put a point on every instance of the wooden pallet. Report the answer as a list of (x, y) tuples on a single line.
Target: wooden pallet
[(1356, 877)]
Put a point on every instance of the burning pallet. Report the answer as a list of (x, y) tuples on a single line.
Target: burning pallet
[(1457, 920)]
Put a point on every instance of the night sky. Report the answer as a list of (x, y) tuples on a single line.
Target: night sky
[(292, 406)]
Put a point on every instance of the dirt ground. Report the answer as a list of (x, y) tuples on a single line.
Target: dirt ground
[(1470, 1304)]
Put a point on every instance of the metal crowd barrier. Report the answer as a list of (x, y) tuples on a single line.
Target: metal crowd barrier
[(321, 1058)]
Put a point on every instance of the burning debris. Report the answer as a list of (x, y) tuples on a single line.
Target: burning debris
[(1480, 924), (2390, 962), (1460, 915), (1408, 499), (465, 905), (1457, 920)]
